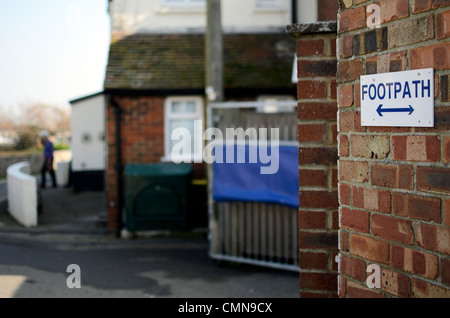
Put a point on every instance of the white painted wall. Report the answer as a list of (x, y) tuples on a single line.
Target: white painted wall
[(22, 194), (307, 11), (88, 119), (153, 16)]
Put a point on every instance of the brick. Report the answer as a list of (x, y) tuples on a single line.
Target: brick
[(391, 62), (311, 89), (345, 45), (422, 5), (311, 132), (390, 129), (333, 46), (434, 238), (345, 96), (342, 286), (352, 19), (313, 260), (432, 56), (355, 220), (395, 283), (318, 240), (370, 41), (433, 179), (369, 248), (317, 155), (313, 68), (310, 48), (443, 25), (393, 176), (343, 146), (350, 121), (333, 89), (352, 267), (334, 177), (343, 241), (415, 262), (349, 71), (425, 5), (358, 291), (416, 148), (357, 99), (417, 207), (447, 212), (319, 199), (317, 111), (344, 194), (312, 220), (393, 10), (444, 88), (312, 178), (445, 270), (392, 229), (411, 32), (423, 289), (446, 150), (372, 199), (318, 281), (353, 171), (374, 147)]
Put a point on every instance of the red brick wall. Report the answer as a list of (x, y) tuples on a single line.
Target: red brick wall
[(317, 130), (142, 140), (328, 10), (394, 183)]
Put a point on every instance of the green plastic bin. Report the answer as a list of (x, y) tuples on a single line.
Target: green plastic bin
[(156, 196)]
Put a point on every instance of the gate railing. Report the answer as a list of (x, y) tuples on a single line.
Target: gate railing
[(253, 232)]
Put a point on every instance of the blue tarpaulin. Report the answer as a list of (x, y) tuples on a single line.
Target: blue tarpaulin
[(245, 182)]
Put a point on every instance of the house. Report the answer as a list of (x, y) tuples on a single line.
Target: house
[(155, 78), (88, 143)]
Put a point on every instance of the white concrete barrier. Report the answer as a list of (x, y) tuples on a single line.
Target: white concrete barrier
[(22, 194), (62, 173)]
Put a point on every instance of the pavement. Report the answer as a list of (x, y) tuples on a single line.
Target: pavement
[(34, 261)]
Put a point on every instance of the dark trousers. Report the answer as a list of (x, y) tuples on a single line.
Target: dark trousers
[(47, 166)]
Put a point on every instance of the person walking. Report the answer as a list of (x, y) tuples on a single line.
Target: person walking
[(47, 165)]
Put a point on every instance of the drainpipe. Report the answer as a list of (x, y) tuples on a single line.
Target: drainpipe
[(119, 166), (294, 11)]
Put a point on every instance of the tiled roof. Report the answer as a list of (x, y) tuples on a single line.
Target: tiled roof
[(176, 61)]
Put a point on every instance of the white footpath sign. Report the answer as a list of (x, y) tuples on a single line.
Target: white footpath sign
[(400, 99)]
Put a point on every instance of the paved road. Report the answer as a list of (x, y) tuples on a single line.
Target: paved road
[(33, 262)]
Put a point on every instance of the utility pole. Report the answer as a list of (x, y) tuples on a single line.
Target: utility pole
[(214, 52), (214, 80)]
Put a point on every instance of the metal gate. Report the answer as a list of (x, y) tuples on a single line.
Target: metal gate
[(254, 232)]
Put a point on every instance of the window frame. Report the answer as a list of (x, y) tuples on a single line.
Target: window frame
[(169, 116), (183, 4)]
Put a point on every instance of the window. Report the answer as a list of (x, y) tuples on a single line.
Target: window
[(183, 129), (267, 4)]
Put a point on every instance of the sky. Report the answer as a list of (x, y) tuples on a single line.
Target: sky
[(52, 51)]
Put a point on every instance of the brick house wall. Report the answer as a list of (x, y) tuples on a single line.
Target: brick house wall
[(317, 131), (142, 140), (394, 189)]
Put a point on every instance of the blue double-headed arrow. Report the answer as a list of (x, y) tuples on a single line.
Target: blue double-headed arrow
[(381, 110)]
